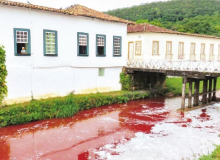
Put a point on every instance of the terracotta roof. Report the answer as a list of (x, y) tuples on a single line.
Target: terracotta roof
[(76, 10), (25, 5), (145, 27), (148, 28), (79, 10)]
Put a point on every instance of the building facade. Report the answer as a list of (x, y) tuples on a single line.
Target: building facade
[(146, 41), (52, 52)]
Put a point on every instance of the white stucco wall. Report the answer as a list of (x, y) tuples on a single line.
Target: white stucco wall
[(43, 76), (148, 38)]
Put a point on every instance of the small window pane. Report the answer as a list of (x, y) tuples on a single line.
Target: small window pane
[(20, 36), (192, 48), (169, 48), (100, 41), (211, 49), (181, 50), (155, 48), (117, 46), (50, 40), (82, 40), (137, 48), (202, 49)]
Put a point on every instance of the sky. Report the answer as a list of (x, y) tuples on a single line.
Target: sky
[(99, 5)]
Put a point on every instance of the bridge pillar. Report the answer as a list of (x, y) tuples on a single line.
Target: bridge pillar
[(190, 94), (183, 93), (210, 90), (214, 89), (204, 97), (196, 93)]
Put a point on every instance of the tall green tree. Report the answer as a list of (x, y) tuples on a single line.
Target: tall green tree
[(193, 16)]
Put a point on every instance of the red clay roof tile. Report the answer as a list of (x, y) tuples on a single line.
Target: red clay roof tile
[(76, 10), (79, 10), (148, 28), (145, 27)]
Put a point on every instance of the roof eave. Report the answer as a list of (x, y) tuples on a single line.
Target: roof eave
[(178, 33)]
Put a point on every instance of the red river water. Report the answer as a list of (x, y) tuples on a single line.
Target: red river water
[(150, 129)]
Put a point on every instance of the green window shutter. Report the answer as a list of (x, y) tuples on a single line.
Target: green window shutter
[(117, 47), (50, 42), (100, 45), (82, 44), (22, 38)]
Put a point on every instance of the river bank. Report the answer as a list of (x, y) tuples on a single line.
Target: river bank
[(62, 107)]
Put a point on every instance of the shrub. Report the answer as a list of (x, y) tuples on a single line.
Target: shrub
[(3, 74), (126, 81)]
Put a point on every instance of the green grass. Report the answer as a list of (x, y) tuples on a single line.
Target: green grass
[(174, 85), (215, 155), (62, 107)]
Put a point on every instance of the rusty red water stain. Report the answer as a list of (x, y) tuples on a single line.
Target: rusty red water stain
[(77, 137)]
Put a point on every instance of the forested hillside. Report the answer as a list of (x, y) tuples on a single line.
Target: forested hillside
[(192, 16)]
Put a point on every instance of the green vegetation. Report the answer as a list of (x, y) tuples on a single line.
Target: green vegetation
[(62, 107), (192, 16), (126, 81), (3, 74), (214, 156), (174, 85)]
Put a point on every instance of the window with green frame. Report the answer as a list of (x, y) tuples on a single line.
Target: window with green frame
[(100, 45), (117, 46), (50, 43), (83, 44), (22, 42)]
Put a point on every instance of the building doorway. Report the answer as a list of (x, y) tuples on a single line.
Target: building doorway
[(130, 50)]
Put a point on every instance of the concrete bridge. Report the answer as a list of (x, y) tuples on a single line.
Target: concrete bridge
[(193, 72)]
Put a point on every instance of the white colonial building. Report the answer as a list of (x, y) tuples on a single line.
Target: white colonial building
[(53, 52), (146, 41)]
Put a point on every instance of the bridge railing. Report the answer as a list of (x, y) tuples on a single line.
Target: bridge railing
[(183, 65)]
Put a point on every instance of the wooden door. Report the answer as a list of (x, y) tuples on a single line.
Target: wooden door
[(130, 50)]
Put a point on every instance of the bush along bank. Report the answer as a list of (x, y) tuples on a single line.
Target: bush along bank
[(62, 107), (3, 74)]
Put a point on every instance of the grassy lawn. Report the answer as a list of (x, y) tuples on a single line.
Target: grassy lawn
[(215, 155), (174, 85)]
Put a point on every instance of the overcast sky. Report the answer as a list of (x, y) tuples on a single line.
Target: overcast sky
[(99, 5)]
